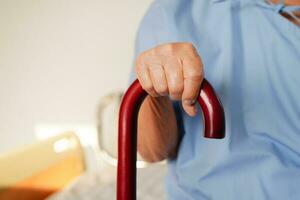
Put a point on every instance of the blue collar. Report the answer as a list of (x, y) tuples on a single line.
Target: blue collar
[(277, 7)]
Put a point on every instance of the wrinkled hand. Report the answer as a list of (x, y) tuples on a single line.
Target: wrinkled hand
[(173, 69)]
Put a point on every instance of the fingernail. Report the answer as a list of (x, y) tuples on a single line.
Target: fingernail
[(189, 102)]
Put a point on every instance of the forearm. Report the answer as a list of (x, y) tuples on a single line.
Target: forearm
[(173, 69), (157, 129)]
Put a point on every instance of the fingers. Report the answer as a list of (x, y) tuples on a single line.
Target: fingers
[(193, 76), (143, 75), (173, 69), (158, 78), (174, 76)]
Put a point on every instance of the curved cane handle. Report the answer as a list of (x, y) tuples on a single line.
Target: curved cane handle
[(214, 127)]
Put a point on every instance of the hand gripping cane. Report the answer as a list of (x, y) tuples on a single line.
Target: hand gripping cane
[(214, 127)]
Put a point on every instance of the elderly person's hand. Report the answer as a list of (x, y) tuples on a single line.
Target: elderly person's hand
[(173, 69)]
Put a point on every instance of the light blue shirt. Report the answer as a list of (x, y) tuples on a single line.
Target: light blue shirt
[(251, 56)]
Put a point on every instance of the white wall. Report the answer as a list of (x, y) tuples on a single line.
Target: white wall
[(57, 58)]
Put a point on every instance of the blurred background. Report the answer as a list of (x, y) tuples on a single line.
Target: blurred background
[(64, 65)]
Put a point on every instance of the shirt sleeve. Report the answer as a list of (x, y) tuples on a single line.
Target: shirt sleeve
[(153, 30)]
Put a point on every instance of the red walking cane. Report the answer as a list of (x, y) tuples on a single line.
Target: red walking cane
[(214, 127)]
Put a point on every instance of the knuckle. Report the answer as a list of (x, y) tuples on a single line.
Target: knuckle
[(176, 92), (155, 67), (178, 89), (197, 61), (194, 77), (162, 89), (194, 72), (165, 49), (138, 67), (188, 46), (170, 47), (157, 49), (148, 88), (143, 57), (146, 53), (139, 63), (150, 52), (176, 95)]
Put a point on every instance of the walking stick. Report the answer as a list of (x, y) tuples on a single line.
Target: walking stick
[(214, 127)]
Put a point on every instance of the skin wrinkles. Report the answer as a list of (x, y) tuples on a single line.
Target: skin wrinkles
[(172, 70)]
